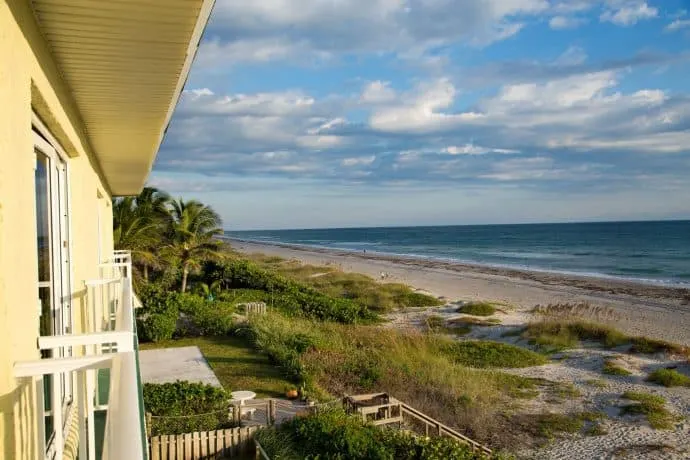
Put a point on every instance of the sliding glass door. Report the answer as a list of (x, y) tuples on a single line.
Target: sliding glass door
[(54, 293)]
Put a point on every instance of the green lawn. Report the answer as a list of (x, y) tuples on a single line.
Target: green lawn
[(237, 365)]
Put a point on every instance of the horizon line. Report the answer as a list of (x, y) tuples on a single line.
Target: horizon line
[(634, 221)]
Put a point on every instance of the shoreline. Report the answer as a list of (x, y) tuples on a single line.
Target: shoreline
[(603, 283), (638, 309)]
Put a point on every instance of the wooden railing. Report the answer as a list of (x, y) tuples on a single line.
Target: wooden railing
[(439, 429), (383, 409), (260, 452)]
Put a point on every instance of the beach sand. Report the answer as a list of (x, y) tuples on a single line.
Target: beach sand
[(638, 309)]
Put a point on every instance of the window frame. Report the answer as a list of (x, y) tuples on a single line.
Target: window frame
[(60, 283)]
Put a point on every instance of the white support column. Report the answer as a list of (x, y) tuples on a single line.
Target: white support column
[(82, 405), (56, 410), (41, 403), (90, 428)]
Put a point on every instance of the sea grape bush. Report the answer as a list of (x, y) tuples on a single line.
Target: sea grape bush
[(185, 407), (290, 296)]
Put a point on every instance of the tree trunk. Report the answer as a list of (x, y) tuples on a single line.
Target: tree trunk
[(146, 272), (185, 272)]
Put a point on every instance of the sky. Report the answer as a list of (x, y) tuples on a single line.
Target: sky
[(345, 113)]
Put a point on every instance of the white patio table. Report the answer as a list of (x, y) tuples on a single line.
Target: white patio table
[(239, 398)]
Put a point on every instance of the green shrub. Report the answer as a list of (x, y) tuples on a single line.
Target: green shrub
[(157, 299), (554, 335), (189, 303), (477, 309), (416, 300), (213, 318), (184, 407), (560, 335), (485, 353), (651, 406), (611, 368), (293, 297), (669, 378), (435, 322), (331, 434), (156, 327), (647, 346), (550, 424), (237, 296)]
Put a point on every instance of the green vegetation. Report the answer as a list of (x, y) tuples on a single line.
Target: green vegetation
[(669, 378), (596, 429), (550, 424), (172, 237), (289, 296), (651, 406), (331, 434), (184, 407), (424, 370), (236, 364), (321, 334), (597, 383), (611, 368), (484, 353), (645, 345), (557, 335), (471, 321), (591, 416), (477, 309), (363, 289)]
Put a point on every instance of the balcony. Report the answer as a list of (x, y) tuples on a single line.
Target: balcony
[(100, 369)]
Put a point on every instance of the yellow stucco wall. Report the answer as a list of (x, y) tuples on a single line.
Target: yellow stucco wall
[(29, 80)]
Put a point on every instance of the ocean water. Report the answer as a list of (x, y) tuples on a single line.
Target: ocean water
[(652, 252)]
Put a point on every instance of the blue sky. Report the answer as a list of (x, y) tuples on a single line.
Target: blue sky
[(338, 113)]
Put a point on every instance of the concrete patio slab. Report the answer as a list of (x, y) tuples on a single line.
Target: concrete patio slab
[(166, 365)]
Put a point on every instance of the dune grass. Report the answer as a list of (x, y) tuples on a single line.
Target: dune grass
[(556, 335), (669, 378), (650, 405), (428, 371), (611, 368), (477, 309), (438, 325), (485, 354), (551, 424), (472, 321)]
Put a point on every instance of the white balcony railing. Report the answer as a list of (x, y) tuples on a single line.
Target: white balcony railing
[(109, 342)]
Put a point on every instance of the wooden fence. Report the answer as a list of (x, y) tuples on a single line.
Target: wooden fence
[(253, 308), (202, 445)]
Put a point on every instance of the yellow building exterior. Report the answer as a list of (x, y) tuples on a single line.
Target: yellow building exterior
[(87, 89)]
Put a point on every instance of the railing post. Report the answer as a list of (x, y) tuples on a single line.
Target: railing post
[(271, 412)]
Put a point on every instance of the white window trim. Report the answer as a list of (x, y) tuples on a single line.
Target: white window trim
[(44, 141)]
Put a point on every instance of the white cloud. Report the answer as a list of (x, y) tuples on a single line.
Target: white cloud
[(628, 12), (270, 30), (573, 56), (472, 149), (422, 110), (377, 92), (678, 24), (566, 22), (358, 161), (200, 92)]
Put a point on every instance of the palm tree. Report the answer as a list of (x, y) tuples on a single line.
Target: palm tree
[(192, 231), (209, 291), (139, 225)]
